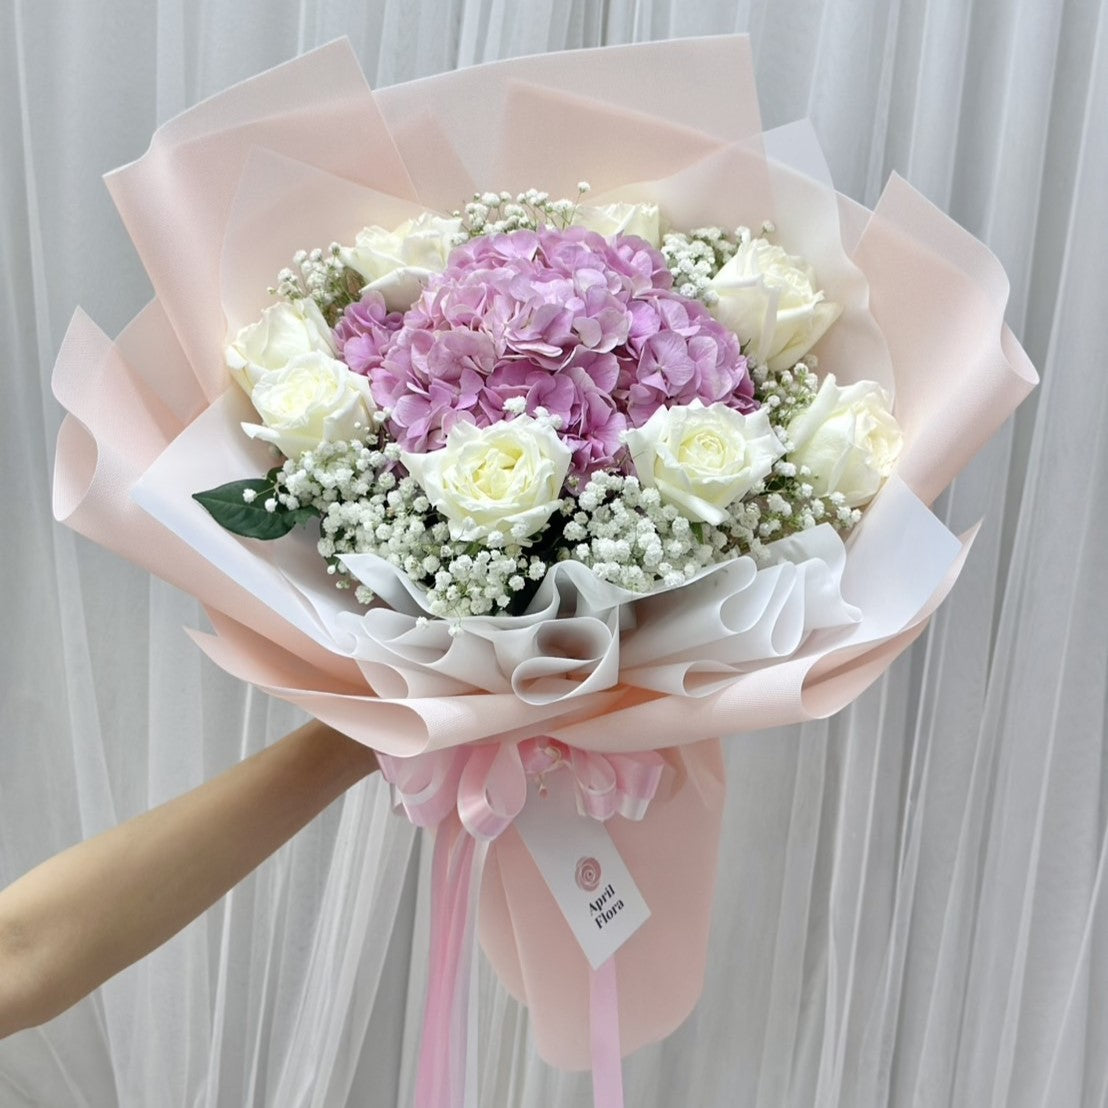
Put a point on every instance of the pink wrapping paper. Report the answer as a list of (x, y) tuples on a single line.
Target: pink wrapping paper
[(306, 153)]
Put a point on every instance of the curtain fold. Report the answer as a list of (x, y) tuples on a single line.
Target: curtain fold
[(911, 906)]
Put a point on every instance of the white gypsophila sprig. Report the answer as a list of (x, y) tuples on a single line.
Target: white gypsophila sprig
[(322, 276), (695, 257), (785, 393), (494, 213), (781, 505), (626, 535)]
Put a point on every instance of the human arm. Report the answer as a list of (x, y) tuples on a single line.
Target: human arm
[(83, 915)]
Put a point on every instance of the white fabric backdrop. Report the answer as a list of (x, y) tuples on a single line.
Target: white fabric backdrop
[(911, 906)]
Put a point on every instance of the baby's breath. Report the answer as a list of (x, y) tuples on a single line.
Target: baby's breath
[(695, 257), (494, 213), (320, 275), (785, 393), (626, 535)]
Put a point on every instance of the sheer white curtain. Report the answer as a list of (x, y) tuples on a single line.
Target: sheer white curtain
[(911, 906)]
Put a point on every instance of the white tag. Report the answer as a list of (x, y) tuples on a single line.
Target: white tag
[(580, 864)]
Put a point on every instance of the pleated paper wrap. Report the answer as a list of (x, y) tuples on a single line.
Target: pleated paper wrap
[(306, 154)]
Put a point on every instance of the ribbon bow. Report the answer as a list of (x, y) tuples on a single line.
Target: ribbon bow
[(471, 795)]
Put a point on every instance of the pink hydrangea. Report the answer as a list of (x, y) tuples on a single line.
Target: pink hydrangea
[(364, 332), (587, 328)]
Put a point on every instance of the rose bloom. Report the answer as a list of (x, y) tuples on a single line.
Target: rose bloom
[(641, 220), (770, 300), (398, 263), (702, 459), (313, 399), (848, 438), (506, 477), (286, 330)]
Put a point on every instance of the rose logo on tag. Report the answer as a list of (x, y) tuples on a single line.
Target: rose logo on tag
[(587, 874)]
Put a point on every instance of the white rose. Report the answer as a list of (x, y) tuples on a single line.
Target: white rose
[(285, 330), (623, 219), (702, 459), (507, 477), (769, 299), (313, 399), (848, 438), (397, 263)]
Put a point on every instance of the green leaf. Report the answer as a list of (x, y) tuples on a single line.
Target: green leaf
[(227, 507), (303, 514)]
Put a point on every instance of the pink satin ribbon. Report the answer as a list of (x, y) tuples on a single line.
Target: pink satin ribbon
[(607, 1067), (471, 795)]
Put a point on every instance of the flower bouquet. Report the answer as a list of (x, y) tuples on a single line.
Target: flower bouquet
[(539, 487)]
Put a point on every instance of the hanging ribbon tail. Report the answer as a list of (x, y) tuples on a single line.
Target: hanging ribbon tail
[(607, 1067), (447, 1076)]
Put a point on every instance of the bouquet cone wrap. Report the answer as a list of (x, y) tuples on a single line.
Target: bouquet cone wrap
[(306, 154)]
